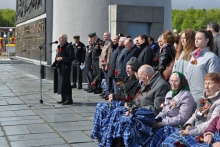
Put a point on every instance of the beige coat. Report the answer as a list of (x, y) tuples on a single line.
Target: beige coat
[(105, 55), (198, 127)]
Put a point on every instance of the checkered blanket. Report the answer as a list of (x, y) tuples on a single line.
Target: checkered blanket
[(159, 135), (188, 141), (134, 129), (101, 111)]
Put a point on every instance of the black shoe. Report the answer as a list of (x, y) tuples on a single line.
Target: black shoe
[(60, 102), (73, 86), (98, 91), (68, 102), (104, 97), (86, 89), (90, 90), (102, 94), (79, 87)]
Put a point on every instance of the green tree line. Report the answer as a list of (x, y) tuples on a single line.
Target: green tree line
[(195, 19), (7, 17)]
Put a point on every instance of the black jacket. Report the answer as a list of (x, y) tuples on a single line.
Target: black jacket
[(88, 59), (167, 54), (79, 51), (146, 56), (97, 49), (130, 84)]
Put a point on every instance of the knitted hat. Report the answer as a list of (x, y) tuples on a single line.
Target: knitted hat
[(136, 66), (132, 61)]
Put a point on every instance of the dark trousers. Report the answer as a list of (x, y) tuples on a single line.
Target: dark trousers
[(77, 73), (66, 97), (89, 74), (110, 85)]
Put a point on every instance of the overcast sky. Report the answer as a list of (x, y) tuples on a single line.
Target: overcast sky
[(176, 4)]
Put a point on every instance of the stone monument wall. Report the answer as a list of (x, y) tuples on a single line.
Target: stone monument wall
[(30, 36)]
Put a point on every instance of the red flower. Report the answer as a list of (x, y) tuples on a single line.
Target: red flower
[(108, 67), (93, 83), (103, 61), (129, 98), (177, 143), (200, 139), (60, 49), (155, 59), (117, 84), (116, 72)]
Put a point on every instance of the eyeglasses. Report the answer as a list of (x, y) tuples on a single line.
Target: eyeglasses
[(209, 83)]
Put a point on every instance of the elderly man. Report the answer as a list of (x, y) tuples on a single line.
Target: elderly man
[(155, 89), (62, 64), (115, 42), (131, 51)]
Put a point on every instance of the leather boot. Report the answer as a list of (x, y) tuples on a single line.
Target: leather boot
[(63, 99), (69, 100)]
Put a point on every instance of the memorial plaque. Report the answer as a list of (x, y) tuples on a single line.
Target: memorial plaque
[(29, 38), (27, 9)]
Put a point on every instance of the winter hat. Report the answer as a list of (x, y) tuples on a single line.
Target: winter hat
[(132, 61)]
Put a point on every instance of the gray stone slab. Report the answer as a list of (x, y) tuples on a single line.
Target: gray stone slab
[(39, 128), (89, 144), (73, 117), (3, 102), (1, 133), (37, 143), (75, 137), (25, 113), (3, 142), (14, 107), (14, 101), (7, 114), (81, 109), (19, 118), (53, 118), (54, 111), (16, 130), (22, 122), (33, 137), (61, 145), (71, 126), (91, 114)]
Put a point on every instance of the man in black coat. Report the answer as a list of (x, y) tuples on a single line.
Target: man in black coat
[(62, 66), (146, 55), (79, 51)]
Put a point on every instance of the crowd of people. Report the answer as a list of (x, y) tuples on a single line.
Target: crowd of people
[(164, 93)]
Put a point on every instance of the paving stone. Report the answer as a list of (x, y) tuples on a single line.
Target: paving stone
[(3, 102), (7, 114), (87, 114), (37, 143), (39, 128), (89, 144), (19, 118), (62, 145), (16, 130), (73, 117), (14, 107), (1, 133), (21, 122), (53, 118), (75, 137), (33, 137), (3, 142), (54, 111), (24, 112)]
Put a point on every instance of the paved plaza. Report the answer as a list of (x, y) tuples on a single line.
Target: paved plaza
[(41, 124)]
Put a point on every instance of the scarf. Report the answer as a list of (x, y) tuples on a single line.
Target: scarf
[(183, 84)]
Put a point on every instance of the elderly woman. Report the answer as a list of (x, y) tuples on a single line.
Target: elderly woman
[(104, 108), (208, 109), (177, 109)]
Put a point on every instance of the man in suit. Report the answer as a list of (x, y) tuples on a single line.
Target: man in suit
[(64, 58), (80, 51)]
